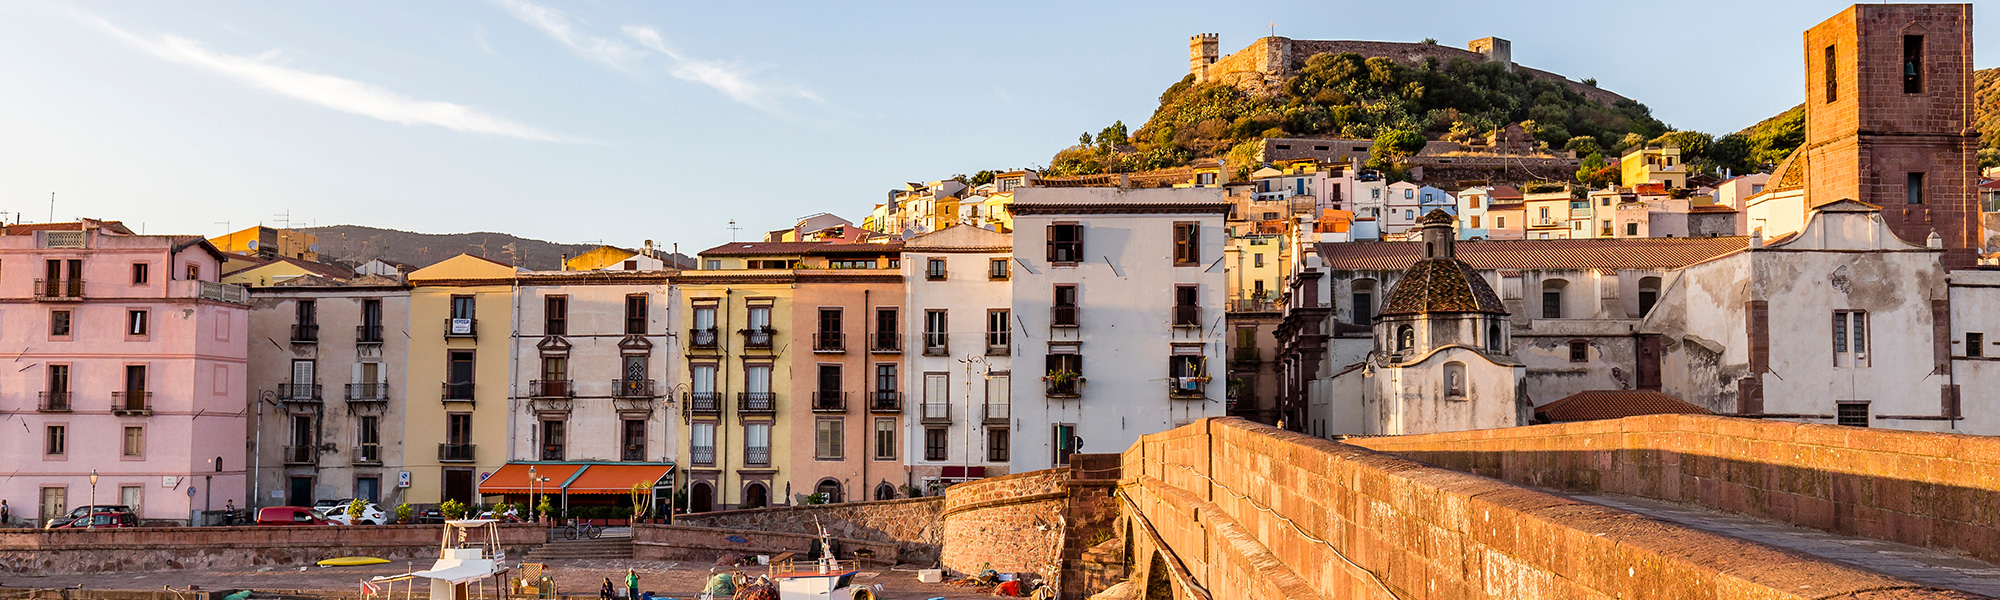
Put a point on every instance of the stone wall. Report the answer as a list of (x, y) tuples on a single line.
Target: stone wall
[(54, 551), (915, 525), (1012, 524), (682, 543), (1926, 489), (1225, 508)]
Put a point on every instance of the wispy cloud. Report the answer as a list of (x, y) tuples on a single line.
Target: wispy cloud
[(345, 95), (734, 80)]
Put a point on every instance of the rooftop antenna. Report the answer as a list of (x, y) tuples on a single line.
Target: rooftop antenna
[(285, 218), (52, 207), (732, 226), (1274, 29)]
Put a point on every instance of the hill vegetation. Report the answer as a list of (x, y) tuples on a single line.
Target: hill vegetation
[(356, 244), (1771, 140)]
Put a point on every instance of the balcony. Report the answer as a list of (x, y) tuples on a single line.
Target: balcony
[(59, 290), (703, 402), (301, 455), (1186, 388), (219, 292), (757, 402), (1245, 355), (998, 413), (1187, 315), (936, 412), (552, 452), (702, 455), (367, 392), (368, 454), (758, 338), (702, 339), (1062, 316), (757, 455), (461, 328), (551, 388), (633, 453), (305, 333), (999, 343), (633, 389), (1072, 388), (885, 402), (132, 403), (455, 452), (1252, 305), (829, 401), (299, 393), (53, 402), (937, 343), (829, 342), (886, 342), (458, 392), (367, 334)]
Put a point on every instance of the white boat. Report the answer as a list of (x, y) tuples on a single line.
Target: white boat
[(469, 553), (829, 582)]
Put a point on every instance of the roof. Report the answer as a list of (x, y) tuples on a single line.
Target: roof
[(1614, 404), (1711, 208), (512, 478), (25, 228), (574, 478), (800, 248), (1619, 253), (617, 478), (319, 269), (1503, 191), (1440, 285)]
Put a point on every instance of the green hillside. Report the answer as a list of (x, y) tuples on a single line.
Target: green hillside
[(1771, 140)]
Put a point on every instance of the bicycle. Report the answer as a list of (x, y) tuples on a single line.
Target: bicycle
[(575, 530)]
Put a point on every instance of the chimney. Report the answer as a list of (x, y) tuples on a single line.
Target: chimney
[(564, 265), (649, 249)]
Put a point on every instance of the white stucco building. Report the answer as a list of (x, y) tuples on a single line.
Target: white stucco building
[(958, 367), (591, 354), (1118, 294)]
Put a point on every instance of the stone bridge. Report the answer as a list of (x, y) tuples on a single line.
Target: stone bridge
[(1647, 507)]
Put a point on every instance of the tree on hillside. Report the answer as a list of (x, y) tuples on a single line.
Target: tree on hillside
[(1598, 173), (1114, 135), (1391, 148)]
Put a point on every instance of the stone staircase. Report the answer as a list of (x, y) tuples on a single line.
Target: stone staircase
[(608, 546)]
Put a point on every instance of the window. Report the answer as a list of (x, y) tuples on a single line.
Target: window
[(1408, 194), (888, 334), (1064, 373), (135, 322), (135, 441), (552, 440), (555, 315), (368, 440), (829, 336), (1500, 221), (936, 442), (1187, 308), (996, 445), (996, 269), (851, 264), (701, 444), (711, 265), (1850, 338), (1257, 259), (458, 428), (57, 441), (458, 375), (999, 333), (1406, 338), (1913, 64), (934, 269), (936, 333), (1362, 300), (1409, 214), (826, 439), (140, 274), (757, 443), (1187, 375), (1065, 243), (1852, 414), (885, 439), (1913, 190), (1579, 351), (193, 272), (371, 321), (1975, 344), (1552, 298), (1649, 294), (59, 323), (462, 307), (1632, 229), (1187, 243), (635, 314), (1064, 440), (1832, 76), (1475, 221), (1494, 339), (1063, 312)]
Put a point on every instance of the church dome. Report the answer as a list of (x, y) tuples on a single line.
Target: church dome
[(1440, 282)]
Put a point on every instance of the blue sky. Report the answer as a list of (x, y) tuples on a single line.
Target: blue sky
[(625, 121)]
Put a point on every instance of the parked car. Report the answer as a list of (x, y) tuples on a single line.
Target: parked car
[(289, 515), (103, 519), (78, 512), (430, 516), (326, 507), (370, 515)]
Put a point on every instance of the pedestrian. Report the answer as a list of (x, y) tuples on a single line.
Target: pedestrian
[(229, 512), (631, 584), (6, 514), (606, 591)]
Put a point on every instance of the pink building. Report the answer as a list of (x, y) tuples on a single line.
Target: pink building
[(127, 359)]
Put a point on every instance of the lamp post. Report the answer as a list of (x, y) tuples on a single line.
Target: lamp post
[(91, 513), (531, 491)]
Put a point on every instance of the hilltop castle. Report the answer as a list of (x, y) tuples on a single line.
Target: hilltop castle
[(1265, 64)]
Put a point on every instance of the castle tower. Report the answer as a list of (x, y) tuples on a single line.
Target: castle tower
[(1202, 52), (1496, 50), (1889, 120)]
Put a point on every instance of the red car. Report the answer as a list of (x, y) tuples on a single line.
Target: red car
[(289, 515), (103, 519)]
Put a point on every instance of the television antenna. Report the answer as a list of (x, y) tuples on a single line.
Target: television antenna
[(732, 230)]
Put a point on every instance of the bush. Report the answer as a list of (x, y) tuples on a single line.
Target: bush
[(452, 509), (354, 510), (403, 513)]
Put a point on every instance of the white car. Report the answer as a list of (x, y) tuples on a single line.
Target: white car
[(370, 515)]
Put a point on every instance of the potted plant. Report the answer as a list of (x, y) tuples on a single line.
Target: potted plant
[(642, 500), (354, 510), (403, 513), (1063, 381), (452, 509), (544, 509)]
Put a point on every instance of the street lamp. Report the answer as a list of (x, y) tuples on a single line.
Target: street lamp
[(91, 514), (531, 491)]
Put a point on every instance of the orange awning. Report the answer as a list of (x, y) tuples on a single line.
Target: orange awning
[(512, 478), (612, 478)]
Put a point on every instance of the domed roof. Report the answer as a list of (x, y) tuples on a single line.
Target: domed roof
[(1442, 285)]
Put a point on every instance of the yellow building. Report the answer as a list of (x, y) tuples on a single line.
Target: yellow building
[(460, 371), (1653, 164), (737, 435), (269, 242), (281, 270)]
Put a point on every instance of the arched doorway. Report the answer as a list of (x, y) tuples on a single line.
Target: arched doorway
[(831, 488), (884, 491), (755, 496), (701, 497)]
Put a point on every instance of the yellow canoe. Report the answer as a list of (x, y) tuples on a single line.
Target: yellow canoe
[(352, 561)]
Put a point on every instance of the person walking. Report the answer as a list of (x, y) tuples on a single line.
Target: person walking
[(6, 514)]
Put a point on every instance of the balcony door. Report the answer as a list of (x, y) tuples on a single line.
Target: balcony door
[(552, 440), (302, 380)]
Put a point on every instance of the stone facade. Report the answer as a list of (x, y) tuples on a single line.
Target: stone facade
[(915, 526), (56, 551), (1011, 524), (680, 543)]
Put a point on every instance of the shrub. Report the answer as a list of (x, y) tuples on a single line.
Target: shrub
[(452, 509), (403, 513), (354, 510)]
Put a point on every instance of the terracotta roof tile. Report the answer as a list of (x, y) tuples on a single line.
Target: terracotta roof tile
[(799, 248), (1441, 285), (1614, 404), (1623, 253)]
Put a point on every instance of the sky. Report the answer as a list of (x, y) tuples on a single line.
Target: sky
[(618, 122)]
